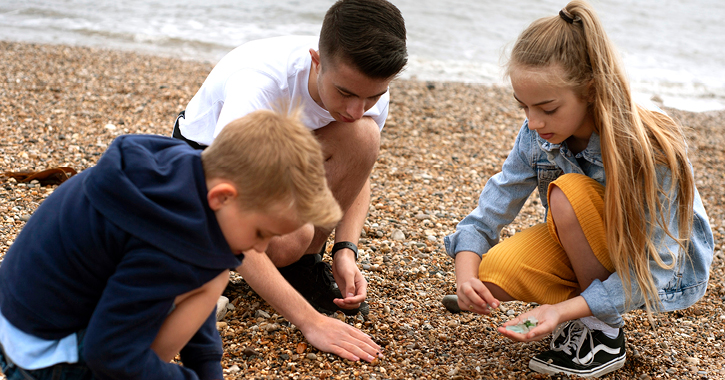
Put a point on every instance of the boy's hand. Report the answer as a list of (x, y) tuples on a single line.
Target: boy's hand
[(548, 318), (334, 336), (349, 279)]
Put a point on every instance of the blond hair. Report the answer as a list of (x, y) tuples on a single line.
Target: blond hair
[(272, 159), (636, 143)]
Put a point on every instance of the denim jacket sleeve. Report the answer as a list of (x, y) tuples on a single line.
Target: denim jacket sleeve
[(500, 201), (680, 286)]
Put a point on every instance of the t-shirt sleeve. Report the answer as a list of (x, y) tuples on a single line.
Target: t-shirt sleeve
[(379, 112), (246, 91)]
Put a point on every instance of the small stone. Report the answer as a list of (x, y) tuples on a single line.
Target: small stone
[(311, 356), (261, 314), (233, 369), (397, 235), (451, 303), (221, 326), (247, 351), (221, 307), (301, 347), (693, 361), (271, 327)]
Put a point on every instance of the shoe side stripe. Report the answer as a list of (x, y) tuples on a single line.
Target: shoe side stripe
[(600, 347)]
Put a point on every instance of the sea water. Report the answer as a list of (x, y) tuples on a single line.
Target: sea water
[(673, 50)]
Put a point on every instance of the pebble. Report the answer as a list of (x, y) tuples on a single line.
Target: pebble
[(693, 361), (443, 143), (221, 307), (450, 302), (261, 314)]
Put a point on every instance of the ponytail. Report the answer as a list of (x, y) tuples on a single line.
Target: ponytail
[(635, 143)]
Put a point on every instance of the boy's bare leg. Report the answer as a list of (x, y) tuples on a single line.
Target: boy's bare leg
[(350, 151), (192, 309)]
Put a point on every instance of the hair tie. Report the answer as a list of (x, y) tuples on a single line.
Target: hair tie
[(566, 16)]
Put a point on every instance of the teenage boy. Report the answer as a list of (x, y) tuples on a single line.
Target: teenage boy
[(341, 81), (121, 267)]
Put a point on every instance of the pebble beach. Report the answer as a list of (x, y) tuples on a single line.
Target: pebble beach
[(62, 106)]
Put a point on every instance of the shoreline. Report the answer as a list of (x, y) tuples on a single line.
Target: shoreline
[(63, 105)]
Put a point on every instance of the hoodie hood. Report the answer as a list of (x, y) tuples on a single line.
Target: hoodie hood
[(154, 188)]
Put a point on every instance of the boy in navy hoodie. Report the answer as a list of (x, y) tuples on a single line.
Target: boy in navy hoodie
[(121, 267)]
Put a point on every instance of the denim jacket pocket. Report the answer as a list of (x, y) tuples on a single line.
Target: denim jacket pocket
[(546, 174)]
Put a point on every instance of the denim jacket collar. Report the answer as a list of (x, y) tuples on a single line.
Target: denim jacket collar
[(592, 153)]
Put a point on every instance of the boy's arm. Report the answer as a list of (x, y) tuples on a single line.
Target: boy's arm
[(353, 285), (325, 333), (204, 351), (127, 318)]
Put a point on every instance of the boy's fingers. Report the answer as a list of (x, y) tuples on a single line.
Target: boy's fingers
[(345, 303)]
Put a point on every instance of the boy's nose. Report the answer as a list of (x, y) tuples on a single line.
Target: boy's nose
[(356, 108)]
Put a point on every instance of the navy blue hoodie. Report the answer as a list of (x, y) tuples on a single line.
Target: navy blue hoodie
[(109, 251)]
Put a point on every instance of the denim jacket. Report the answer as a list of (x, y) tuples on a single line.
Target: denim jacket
[(535, 163)]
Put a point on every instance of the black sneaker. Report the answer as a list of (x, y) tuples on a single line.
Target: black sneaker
[(312, 278), (577, 350)]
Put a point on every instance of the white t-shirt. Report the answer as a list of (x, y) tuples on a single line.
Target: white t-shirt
[(258, 75)]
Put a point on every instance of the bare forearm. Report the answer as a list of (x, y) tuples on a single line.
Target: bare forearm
[(573, 308), (354, 219), (261, 274), (467, 264)]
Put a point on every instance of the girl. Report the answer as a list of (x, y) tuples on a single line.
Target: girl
[(625, 226)]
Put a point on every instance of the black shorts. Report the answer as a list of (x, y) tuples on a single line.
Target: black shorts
[(177, 134)]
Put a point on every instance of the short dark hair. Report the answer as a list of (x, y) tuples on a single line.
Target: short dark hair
[(368, 34)]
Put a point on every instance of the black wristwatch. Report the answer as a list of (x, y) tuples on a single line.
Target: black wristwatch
[(342, 245)]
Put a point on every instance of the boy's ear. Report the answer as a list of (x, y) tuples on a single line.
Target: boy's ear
[(220, 194), (315, 55)]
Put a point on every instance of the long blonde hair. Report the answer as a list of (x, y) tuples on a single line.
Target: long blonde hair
[(636, 143)]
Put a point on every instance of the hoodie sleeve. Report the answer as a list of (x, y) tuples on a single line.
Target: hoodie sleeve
[(204, 351), (134, 305)]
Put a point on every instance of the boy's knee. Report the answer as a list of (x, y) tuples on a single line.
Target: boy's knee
[(357, 142), (288, 249)]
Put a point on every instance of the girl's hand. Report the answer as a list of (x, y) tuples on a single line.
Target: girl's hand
[(548, 318), (473, 295)]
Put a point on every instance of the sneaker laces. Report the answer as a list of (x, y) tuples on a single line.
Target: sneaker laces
[(576, 333)]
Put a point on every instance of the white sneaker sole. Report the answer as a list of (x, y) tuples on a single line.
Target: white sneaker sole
[(543, 367)]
